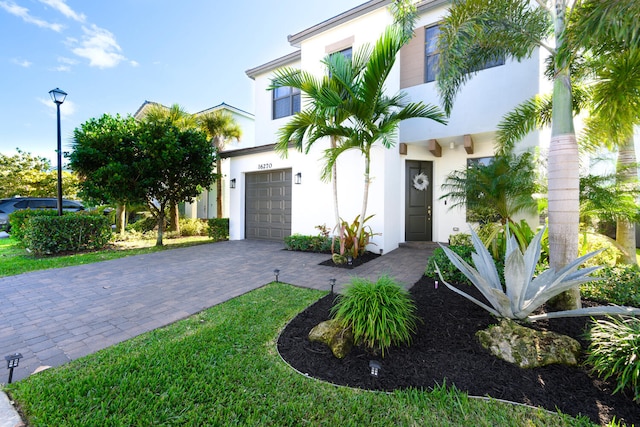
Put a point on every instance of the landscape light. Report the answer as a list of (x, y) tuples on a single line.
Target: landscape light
[(13, 360), (276, 272), (332, 281), (375, 367), (58, 96)]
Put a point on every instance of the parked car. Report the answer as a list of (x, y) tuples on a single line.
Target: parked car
[(13, 204)]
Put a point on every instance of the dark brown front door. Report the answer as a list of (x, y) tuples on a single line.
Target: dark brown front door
[(419, 201)]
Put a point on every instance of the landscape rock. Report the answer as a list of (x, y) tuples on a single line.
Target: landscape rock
[(528, 348), (331, 333)]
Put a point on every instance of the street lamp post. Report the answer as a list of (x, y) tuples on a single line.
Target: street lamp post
[(58, 96)]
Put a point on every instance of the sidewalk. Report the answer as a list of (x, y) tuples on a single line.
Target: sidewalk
[(54, 316)]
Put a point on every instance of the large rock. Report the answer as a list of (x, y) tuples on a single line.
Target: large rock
[(527, 347), (333, 334)]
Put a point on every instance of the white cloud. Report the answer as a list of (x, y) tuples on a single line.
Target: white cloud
[(22, 62), (68, 61), (67, 109), (64, 8), (134, 63), (100, 47), (62, 68), (23, 12)]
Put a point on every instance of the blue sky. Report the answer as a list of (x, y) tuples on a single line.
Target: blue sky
[(112, 55)]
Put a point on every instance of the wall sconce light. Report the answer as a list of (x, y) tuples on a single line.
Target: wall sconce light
[(452, 145), (332, 281), (13, 360), (297, 179), (277, 273), (232, 183), (375, 367)]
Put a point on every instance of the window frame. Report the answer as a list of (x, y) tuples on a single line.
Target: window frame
[(293, 106)]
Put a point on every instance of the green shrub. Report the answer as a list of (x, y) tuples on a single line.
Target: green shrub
[(193, 227), (143, 225), (620, 285), (450, 272), (460, 239), (299, 242), (46, 235), (380, 314), (19, 220), (591, 242), (614, 352), (219, 229)]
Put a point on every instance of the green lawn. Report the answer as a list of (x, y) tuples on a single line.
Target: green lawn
[(221, 367), (16, 260)]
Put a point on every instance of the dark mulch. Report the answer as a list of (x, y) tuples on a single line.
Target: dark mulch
[(445, 349), (362, 259)]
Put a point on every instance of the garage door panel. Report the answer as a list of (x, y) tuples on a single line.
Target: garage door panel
[(268, 205)]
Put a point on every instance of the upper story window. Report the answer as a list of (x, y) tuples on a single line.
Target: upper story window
[(286, 102), (432, 54)]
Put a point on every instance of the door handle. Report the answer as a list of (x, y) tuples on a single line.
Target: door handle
[(429, 211)]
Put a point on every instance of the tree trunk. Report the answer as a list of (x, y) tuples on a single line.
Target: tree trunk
[(628, 175), (160, 227), (174, 219), (121, 218), (218, 188), (334, 179), (563, 172), (365, 198)]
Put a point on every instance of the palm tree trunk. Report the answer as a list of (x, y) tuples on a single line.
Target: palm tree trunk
[(218, 188), (563, 172), (628, 174), (334, 179), (365, 198)]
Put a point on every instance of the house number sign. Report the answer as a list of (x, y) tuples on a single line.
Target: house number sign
[(265, 166)]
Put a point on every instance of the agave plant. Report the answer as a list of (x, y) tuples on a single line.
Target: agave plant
[(523, 293)]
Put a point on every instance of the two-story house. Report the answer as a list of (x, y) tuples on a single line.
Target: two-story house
[(272, 197)]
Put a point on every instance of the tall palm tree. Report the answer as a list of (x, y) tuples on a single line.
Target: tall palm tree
[(321, 115), (220, 127), (373, 115), (478, 31), (179, 117)]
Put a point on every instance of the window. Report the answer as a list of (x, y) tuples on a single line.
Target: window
[(347, 53), (286, 102), (432, 55)]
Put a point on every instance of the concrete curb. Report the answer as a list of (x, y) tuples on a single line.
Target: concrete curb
[(9, 417)]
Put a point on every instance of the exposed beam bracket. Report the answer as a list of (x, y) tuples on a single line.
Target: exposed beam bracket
[(468, 144), (435, 148)]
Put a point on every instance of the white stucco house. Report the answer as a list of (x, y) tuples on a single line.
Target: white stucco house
[(272, 197)]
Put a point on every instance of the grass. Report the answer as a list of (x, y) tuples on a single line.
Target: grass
[(221, 367), (16, 260)]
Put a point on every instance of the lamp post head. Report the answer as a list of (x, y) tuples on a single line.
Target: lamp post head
[(57, 95)]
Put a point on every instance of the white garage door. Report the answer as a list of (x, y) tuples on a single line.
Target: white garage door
[(268, 205)]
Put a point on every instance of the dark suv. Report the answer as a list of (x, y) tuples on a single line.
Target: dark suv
[(8, 206)]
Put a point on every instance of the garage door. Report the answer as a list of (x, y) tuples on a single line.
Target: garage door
[(268, 205)]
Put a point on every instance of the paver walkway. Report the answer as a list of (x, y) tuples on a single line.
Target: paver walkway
[(54, 316)]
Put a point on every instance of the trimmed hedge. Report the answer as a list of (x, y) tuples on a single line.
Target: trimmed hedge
[(47, 235), (19, 220), (303, 243), (219, 229)]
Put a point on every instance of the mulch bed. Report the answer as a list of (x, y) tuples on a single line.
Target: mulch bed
[(362, 259), (445, 350)]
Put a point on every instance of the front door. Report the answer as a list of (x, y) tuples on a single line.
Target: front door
[(418, 201)]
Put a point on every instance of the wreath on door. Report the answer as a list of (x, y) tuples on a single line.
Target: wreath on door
[(420, 181)]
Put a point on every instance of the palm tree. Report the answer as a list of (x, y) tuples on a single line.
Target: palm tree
[(501, 189), (373, 115), (220, 127), (321, 115), (478, 31), (177, 116)]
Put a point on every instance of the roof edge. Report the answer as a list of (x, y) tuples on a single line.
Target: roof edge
[(272, 65)]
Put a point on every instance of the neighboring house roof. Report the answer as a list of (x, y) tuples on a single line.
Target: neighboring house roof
[(275, 64), (146, 104), (225, 106)]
